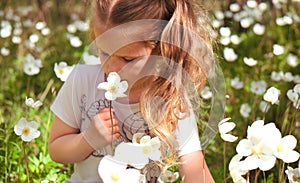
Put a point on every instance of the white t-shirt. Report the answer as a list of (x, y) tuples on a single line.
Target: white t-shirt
[(79, 100)]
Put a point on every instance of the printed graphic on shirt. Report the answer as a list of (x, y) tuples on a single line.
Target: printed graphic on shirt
[(130, 125)]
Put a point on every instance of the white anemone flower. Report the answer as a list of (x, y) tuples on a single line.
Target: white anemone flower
[(34, 104), (297, 88), (296, 79), (90, 59), (31, 69), (277, 76), (75, 41), (245, 110), (284, 150), (169, 176), (272, 95), (259, 146), (292, 95), (252, 4), (114, 171), (237, 169), (71, 28), (206, 93), (234, 7), (258, 87), (140, 151), (27, 130), (225, 31), (114, 87), (32, 66), (291, 60), (259, 29), (229, 54), (4, 51), (246, 22), (288, 77), (224, 128), (293, 174), (278, 49), (235, 39), (236, 83), (62, 70), (250, 61), (40, 25)]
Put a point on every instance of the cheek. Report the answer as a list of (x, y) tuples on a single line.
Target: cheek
[(134, 71), (112, 65)]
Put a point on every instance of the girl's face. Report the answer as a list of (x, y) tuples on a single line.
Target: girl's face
[(129, 61)]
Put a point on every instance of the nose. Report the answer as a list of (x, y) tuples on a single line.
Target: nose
[(112, 64)]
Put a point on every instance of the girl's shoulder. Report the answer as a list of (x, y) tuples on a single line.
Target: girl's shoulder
[(86, 72)]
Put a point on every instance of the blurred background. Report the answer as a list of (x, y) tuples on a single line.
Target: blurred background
[(257, 46)]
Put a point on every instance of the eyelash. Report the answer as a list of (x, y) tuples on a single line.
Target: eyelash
[(107, 55), (127, 60)]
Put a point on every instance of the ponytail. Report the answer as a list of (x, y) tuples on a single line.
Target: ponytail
[(178, 46)]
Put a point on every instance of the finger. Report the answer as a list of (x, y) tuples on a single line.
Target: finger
[(110, 123), (114, 129), (105, 115), (116, 136)]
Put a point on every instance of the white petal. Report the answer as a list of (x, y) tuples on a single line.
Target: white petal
[(113, 77), (33, 125), (137, 137), (103, 86), (26, 138), (289, 141), (29, 101), (244, 147), (290, 156), (267, 162), (37, 104), (229, 137), (110, 96), (123, 86), (251, 162), (226, 127)]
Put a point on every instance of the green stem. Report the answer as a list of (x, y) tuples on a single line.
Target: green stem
[(112, 128), (224, 159), (26, 161), (265, 180), (256, 176)]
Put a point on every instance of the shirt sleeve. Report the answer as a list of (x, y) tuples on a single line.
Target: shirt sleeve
[(187, 135), (65, 105)]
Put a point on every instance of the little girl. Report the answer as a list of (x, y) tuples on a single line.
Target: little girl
[(162, 49)]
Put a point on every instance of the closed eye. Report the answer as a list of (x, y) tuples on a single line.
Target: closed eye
[(128, 59)]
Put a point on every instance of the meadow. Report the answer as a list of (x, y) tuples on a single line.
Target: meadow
[(257, 47)]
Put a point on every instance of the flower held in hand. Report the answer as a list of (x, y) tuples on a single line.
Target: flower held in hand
[(114, 87)]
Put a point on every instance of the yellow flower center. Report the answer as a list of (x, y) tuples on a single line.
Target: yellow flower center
[(61, 71), (146, 150), (115, 177), (280, 148), (112, 88), (138, 140), (296, 178), (256, 150), (169, 178), (26, 131)]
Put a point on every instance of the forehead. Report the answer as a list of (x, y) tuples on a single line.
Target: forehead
[(111, 40), (113, 37)]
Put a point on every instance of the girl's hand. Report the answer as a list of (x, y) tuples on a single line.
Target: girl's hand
[(99, 134)]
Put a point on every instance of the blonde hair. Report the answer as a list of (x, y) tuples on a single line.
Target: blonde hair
[(166, 100)]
